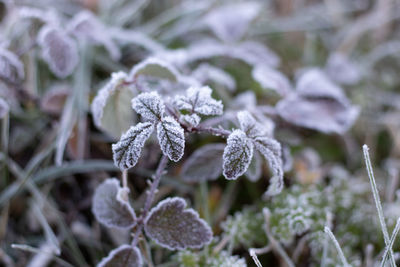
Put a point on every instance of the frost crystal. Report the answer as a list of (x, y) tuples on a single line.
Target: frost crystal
[(149, 106), (270, 78), (58, 50), (123, 256), (86, 25), (230, 22), (173, 227), (272, 152), (11, 68), (111, 108), (249, 125), (199, 100), (204, 164), (127, 151), (111, 210), (171, 137), (193, 120), (237, 155), (224, 259), (156, 68)]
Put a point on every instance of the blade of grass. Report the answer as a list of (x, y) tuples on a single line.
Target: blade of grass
[(392, 239), (328, 231)]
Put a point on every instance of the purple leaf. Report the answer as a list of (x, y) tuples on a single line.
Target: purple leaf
[(110, 208), (123, 256), (174, 227), (11, 68), (341, 70), (270, 78)]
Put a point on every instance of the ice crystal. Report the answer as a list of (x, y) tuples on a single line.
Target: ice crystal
[(204, 164), (199, 100), (127, 151), (249, 125), (171, 137), (237, 155), (110, 209), (122, 256), (192, 120), (58, 50), (149, 105), (11, 68), (174, 227)]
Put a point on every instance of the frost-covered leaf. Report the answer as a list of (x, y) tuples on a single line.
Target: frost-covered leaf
[(149, 105), (255, 53), (174, 227), (253, 173), (270, 78), (58, 50), (342, 70), (324, 115), (123, 256), (244, 100), (199, 100), (11, 68), (4, 108), (208, 73), (156, 68), (171, 137), (230, 22), (204, 164), (237, 155), (54, 99), (111, 108), (86, 25), (249, 125), (272, 152), (127, 151), (110, 208), (193, 119)]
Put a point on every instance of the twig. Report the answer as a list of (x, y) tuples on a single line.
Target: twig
[(150, 197), (377, 202)]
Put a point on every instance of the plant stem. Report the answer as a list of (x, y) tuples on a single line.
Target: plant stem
[(150, 197)]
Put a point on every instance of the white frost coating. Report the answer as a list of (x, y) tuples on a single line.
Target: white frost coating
[(173, 227), (230, 22), (111, 210), (244, 100), (206, 72), (149, 106), (237, 155), (155, 67), (100, 101), (127, 151), (270, 78), (171, 137), (86, 25), (193, 120), (342, 70), (11, 67), (250, 126), (58, 50), (199, 100), (254, 171), (272, 152), (4, 108), (122, 256), (204, 164), (337, 246)]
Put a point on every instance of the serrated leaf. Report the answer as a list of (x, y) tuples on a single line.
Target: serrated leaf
[(174, 227), (109, 208), (11, 68), (199, 100), (149, 106), (127, 151), (86, 25), (272, 152), (171, 137), (253, 173), (237, 155), (58, 50), (230, 22), (270, 78), (204, 164), (193, 119), (111, 108), (123, 256), (156, 68), (249, 125)]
